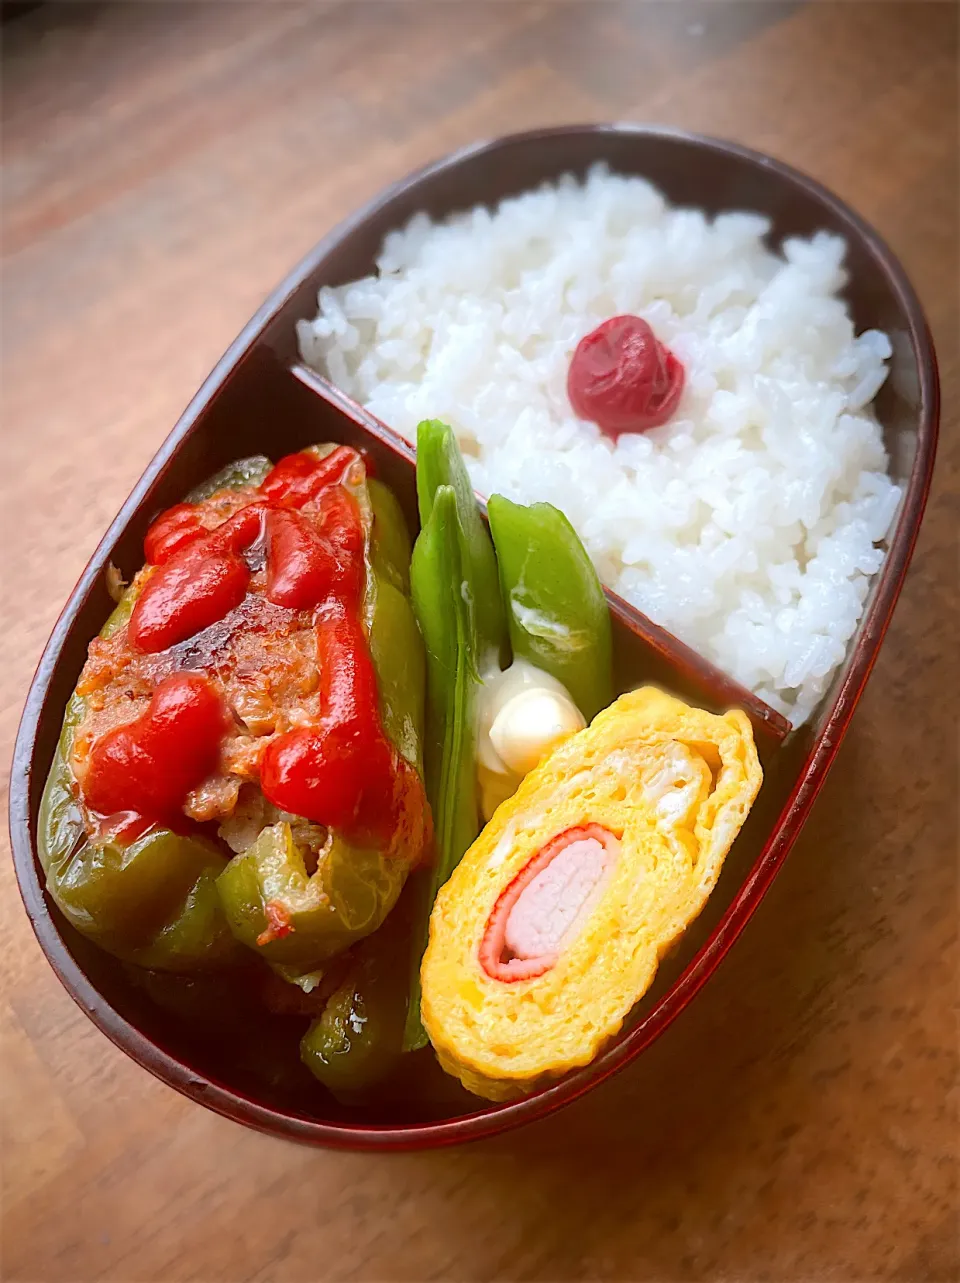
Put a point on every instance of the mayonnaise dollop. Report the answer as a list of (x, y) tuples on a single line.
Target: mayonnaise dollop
[(523, 713)]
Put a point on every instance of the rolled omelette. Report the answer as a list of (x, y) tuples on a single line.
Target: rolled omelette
[(552, 926)]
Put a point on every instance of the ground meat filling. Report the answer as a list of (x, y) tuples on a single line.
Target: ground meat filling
[(261, 657)]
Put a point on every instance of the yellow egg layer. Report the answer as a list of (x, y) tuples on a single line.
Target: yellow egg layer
[(674, 784)]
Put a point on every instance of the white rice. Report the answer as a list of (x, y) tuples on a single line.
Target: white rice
[(749, 525)]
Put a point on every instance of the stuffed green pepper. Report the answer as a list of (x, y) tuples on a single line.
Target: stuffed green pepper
[(239, 771)]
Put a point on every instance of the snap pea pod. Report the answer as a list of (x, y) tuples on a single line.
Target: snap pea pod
[(439, 463), (439, 579), (556, 611), (455, 588)]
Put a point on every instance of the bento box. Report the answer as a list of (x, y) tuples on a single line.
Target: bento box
[(263, 398)]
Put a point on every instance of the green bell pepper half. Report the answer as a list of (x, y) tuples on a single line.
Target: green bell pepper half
[(351, 890), (344, 899)]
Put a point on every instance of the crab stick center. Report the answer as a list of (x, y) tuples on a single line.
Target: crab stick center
[(545, 906)]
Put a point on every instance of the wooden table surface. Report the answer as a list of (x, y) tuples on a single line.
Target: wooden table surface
[(163, 167)]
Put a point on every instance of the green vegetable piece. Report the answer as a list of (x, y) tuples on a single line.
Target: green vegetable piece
[(357, 1040), (235, 476), (447, 622), (151, 901), (557, 613), (396, 646), (439, 463), (396, 649), (346, 898), (390, 544), (60, 825), (197, 935)]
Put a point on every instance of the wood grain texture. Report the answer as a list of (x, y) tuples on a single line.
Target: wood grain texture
[(163, 166)]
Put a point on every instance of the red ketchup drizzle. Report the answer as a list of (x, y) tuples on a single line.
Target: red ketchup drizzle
[(623, 379), (298, 478), (198, 585), (306, 565), (172, 531), (342, 772), (150, 765), (191, 591)]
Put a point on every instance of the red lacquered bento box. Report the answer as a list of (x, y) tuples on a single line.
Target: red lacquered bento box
[(261, 399)]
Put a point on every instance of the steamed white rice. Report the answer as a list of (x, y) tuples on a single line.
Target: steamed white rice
[(749, 525)]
